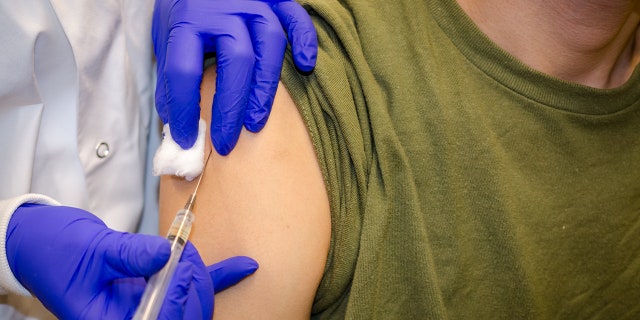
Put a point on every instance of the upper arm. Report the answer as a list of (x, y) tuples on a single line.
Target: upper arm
[(266, 200)]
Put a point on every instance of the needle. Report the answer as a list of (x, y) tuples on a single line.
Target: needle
[(192, 198), (156, 289)]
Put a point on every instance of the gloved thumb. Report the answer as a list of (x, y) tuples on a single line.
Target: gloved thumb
[(230, 271), (135, 255)]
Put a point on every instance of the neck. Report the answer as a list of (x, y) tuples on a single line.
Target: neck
[(591, 42)]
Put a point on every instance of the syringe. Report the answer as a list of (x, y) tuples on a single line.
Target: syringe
[(156, 289)]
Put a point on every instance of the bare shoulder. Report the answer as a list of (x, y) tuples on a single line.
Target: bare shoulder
[(266, 200)]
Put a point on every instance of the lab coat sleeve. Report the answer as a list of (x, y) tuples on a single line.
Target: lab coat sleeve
[(8, 282)]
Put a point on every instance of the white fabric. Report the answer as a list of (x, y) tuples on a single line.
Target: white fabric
[(75, 74), (171, 159), (149, 222), (9, 313)]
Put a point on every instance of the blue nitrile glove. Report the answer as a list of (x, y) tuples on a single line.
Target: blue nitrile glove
[(80, 269), (248, 39)]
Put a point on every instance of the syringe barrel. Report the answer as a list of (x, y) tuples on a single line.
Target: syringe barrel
[(156, 289)]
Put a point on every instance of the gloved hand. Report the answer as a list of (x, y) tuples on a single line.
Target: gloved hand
[(80, 269), (248, 39)]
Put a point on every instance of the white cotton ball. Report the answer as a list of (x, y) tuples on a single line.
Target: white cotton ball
[(171, 159)]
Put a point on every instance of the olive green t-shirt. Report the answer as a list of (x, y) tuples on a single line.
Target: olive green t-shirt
[(463, 184)]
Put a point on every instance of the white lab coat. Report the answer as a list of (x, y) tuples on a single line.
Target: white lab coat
[(76, 99)]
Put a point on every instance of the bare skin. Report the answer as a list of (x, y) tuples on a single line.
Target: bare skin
[(590, 42), (265, 200)]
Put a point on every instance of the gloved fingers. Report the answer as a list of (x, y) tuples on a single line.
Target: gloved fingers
[(175, 301), (183, 74), (133, 255), (159, 31), (235, 60), (230, 271), (269, 45), (161, 94), (301, 32), (201, 293)]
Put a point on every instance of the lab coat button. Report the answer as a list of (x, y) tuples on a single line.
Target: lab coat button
[(102, 150)]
